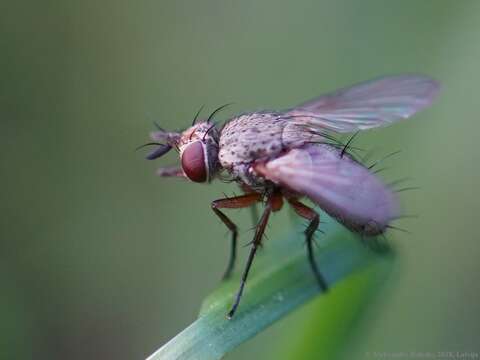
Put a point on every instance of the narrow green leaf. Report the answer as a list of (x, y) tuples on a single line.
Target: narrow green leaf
[(280, 282)]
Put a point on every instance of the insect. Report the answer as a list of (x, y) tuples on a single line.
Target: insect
[(284, 156)]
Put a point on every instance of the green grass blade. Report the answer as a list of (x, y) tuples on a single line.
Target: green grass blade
[(280, 282)]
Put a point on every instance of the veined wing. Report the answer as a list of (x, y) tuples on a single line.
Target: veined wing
[(342, 187), (367, 105)]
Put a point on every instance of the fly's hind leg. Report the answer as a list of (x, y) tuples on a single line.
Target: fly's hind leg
[(312, 216), (236, 202)]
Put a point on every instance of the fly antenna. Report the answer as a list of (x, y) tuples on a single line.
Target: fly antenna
[(160, 151)]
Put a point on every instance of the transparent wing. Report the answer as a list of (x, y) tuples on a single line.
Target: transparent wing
[(342, 187), (367, 105)]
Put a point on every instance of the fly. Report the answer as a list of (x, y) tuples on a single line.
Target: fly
[(283, 156)]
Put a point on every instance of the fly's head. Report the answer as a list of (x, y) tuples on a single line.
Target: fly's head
[(197, 147)]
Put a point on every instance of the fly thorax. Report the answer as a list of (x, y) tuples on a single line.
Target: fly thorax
[(249, 138)]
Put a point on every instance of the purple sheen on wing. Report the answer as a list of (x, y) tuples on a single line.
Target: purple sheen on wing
[(367, 105), (342, 187)]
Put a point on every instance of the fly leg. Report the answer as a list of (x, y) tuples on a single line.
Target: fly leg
[(253, 209), (257, 239), (173, 171), (311, 215), (254, 214), (233, 203)]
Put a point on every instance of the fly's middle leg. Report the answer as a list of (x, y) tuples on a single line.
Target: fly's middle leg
[(311, 215), (253, 209)]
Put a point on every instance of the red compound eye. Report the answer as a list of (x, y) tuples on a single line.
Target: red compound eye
[(193, 162)]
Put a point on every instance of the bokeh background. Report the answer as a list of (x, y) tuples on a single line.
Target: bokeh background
[(101, 259)]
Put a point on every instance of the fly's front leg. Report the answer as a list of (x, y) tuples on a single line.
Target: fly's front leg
[(173, 171), (311, 215), (233, 203), (257, 240)]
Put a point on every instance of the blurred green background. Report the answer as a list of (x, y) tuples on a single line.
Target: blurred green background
[(101, 259)]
